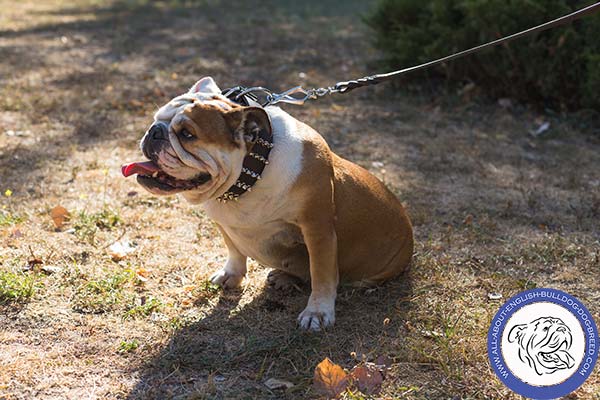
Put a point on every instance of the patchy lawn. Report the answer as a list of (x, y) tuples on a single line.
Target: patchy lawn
[(495, 210)]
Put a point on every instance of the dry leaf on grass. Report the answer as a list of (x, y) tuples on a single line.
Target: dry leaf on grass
[(330, 378), (16, 234), (59, 215), (142, 273), (367, 378), (383, 362), (468, 220), (33, 263)]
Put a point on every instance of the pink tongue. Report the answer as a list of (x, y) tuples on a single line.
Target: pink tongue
[(142, 168)]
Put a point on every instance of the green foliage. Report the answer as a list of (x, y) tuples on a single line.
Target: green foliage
[(206, 288), (87, 225), (128, 346), (559, 67), (150, 305), (15, 286), (102, 295), (7, 218)]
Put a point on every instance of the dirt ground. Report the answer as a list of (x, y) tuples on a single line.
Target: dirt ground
[(495, 210)]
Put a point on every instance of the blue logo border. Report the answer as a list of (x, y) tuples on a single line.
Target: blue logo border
[(495, 337)]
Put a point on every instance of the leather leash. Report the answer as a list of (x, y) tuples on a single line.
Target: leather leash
[(264, 97)]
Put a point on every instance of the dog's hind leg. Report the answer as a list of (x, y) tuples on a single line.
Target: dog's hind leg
[(284, 281)]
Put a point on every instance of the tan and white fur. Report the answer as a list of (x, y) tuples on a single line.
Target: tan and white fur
[(313, 215)]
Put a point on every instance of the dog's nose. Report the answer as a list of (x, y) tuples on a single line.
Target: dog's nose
[(158, 131)]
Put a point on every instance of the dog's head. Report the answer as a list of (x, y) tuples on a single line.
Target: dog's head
[(197, 143), (544, 344)]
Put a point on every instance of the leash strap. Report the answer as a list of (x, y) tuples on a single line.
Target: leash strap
[(297, 95)]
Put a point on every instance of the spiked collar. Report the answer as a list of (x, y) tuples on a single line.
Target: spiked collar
[(253, 166)]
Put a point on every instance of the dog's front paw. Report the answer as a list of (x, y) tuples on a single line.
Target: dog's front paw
[(316, 317), (226, 279)]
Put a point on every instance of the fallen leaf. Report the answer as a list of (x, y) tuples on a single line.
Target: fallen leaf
[(274, 383), (367, 379), (142, 273), (16, 234), (59, 216), (383, 361), (120, 250), (187, 303), (330, 378), (34, 261)]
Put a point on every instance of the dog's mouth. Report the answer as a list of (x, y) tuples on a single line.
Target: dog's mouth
[(558, 357), (151, 176)]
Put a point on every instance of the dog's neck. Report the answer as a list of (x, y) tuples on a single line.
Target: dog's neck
[(253, 165)]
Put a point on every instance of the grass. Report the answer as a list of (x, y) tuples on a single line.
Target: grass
[(87, 225), (15, 287), (103, 295), (128, 346), (143, 310), (495, 211), (7, 218)]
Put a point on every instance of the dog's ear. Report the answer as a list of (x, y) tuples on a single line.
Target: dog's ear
[(205, 85), (249, 121), (516, 333)]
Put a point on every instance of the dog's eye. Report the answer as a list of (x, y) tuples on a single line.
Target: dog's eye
[(184, 133)]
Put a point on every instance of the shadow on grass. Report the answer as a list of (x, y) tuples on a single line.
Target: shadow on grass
[(134, 48), (244, 346)]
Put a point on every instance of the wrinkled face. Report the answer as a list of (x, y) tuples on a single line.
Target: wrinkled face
[(197, 144), (544, 343)]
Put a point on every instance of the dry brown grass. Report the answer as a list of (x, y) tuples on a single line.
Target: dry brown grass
[(494, 209)]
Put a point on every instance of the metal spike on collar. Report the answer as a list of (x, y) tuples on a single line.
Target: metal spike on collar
[(250, 172), (225, 197), (260, 158), (263, 142)]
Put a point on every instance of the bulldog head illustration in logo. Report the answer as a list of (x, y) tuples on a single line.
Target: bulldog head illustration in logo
[(543, 344)]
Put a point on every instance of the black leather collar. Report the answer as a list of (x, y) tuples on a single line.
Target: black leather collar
[(253, 166)]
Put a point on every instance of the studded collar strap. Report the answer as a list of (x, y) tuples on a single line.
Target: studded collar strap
[(252, 167)]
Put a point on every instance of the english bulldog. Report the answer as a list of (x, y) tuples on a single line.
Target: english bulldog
[(543, 344), (278, 194)]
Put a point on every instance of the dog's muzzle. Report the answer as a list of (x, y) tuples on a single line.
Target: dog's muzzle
[(155, 139)]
